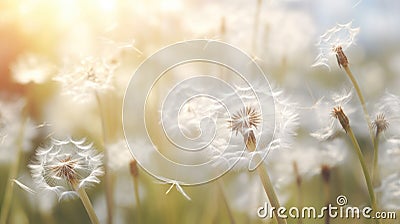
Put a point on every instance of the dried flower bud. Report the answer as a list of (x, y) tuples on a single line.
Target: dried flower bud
[(341, 116), (340, 57), (133, 168)]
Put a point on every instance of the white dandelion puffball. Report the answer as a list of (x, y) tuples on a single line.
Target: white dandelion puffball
[(65, 166), (342, 35)]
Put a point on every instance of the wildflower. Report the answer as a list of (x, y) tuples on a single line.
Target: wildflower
[(82, 81), (30, 67), (65, 166), (334, 42)]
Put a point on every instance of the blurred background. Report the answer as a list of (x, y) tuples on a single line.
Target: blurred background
[(46, 45)]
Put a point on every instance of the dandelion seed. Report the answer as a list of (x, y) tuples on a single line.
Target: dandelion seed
[(178, 187), (64, 166), (334, 42), (24, 187)]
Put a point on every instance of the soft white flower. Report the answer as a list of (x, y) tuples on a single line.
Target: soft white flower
[(86, 78), (341, 36), (30, 67), (63, 166)]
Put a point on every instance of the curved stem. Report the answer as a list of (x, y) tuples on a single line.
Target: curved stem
[(362, 101), (364, 169), (269, 190), (8, 194), (87, 204)]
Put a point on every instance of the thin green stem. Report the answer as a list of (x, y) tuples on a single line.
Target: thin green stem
[(269, 190), (107, 174), (364, 169), (327, 191), (136, 189), (226, 204), (8, 194), (137, 199), (87, 204), (362, 101), (299, 188), (375, 170)]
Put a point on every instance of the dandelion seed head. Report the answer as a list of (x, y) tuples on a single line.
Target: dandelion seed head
[(66, 165), (245, 119), (380, 124), (84, 79), (286, 121), (334, 42)]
